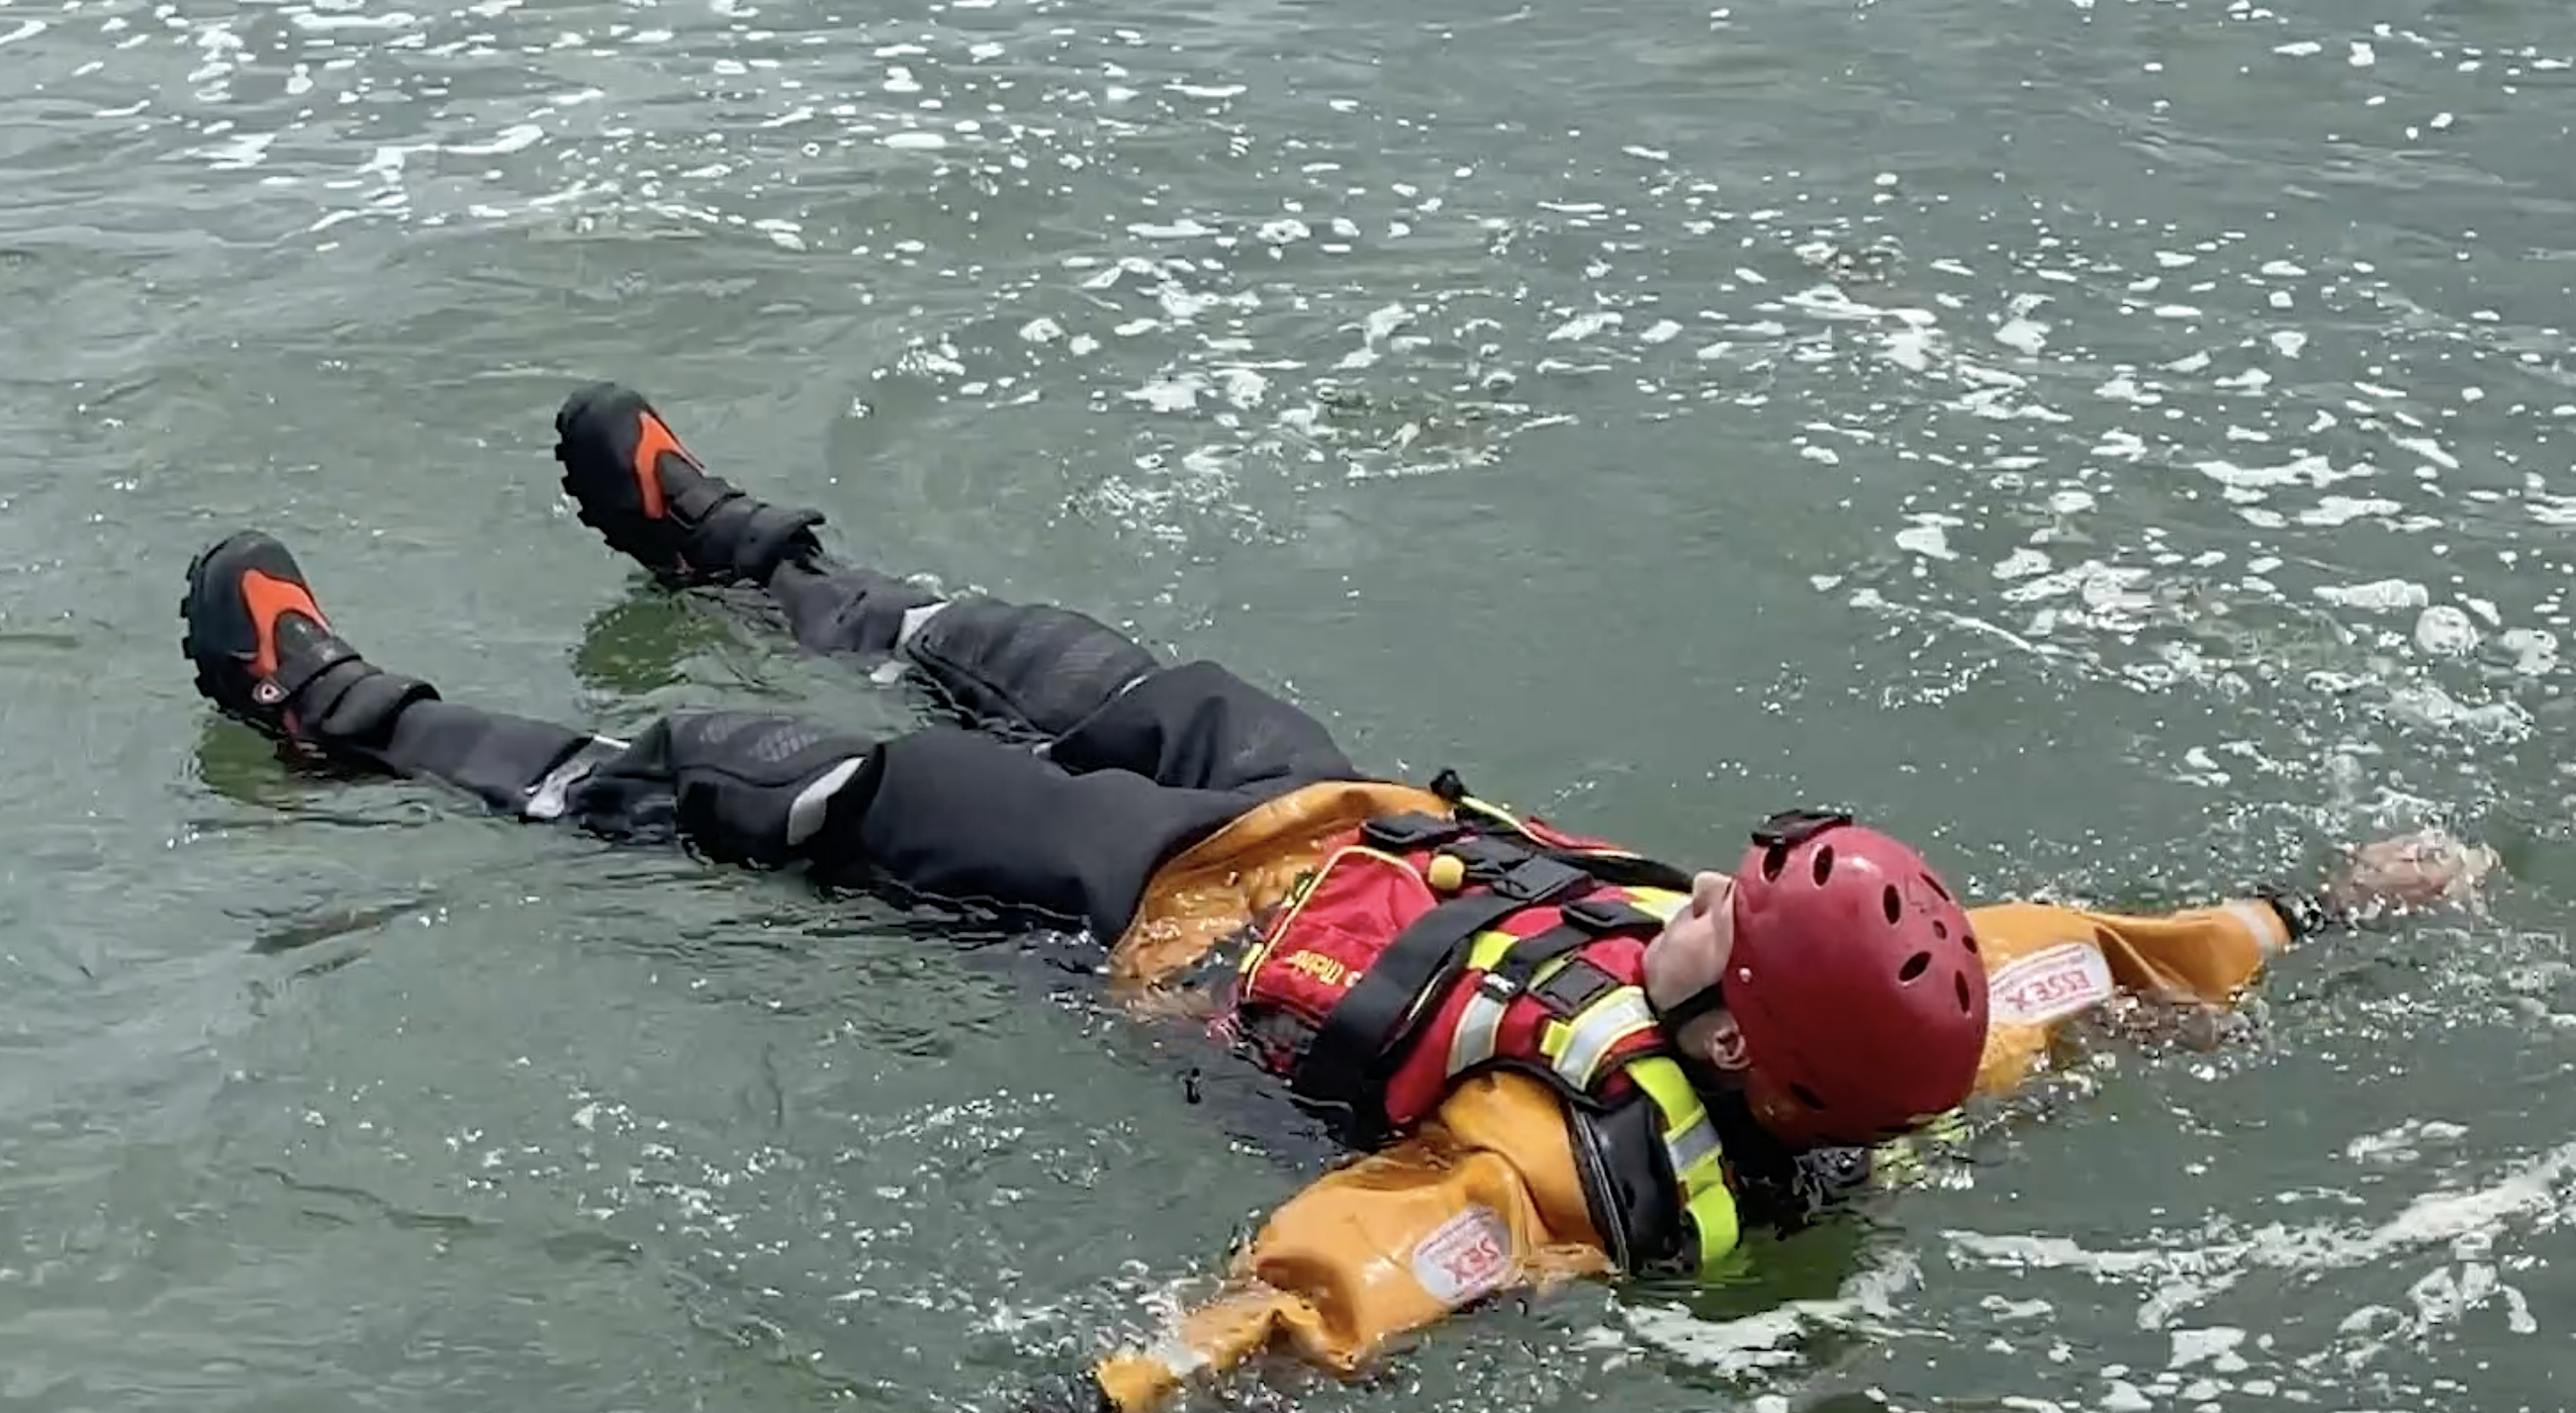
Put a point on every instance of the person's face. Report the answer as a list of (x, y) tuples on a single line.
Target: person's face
[(1688, 957)]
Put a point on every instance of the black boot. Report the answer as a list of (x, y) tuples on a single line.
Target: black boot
[(649, 498), (267, 657)]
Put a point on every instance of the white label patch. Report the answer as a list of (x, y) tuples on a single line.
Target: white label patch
[(1466, 1257), (2047, 985)]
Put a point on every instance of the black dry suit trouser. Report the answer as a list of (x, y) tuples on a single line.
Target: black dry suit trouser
[(1081, 764)]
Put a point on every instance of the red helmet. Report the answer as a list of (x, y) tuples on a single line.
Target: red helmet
[(1855, 981)]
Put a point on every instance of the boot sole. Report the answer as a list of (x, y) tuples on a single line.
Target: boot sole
[(614, 528), (613, 511), (205, 657)]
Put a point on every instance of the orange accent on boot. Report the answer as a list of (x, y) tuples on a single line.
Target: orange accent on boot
[(266, 597), (653, 439)]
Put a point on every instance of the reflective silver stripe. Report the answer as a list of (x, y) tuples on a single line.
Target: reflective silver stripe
[(1693, 1144), (1472, 1043), (2264, 923), (1596, 1030), (890, 671), (1174, 1353), (550, 797), (805, 812), (914, 620)]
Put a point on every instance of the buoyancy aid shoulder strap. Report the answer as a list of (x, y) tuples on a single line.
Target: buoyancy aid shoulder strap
[(1693, 1153), (1370, 1031), (1655, 1176), (1498, 858), (1617, 867), (1599, 1012), (1402, 833), (1583, 920), (1350, 1055)]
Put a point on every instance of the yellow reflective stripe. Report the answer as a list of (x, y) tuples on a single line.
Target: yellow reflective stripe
[(1483, 954), (1594, 1030), (1683, 1115), (1480, 1023), (1690, 1142), (1713, 1217), (1576, 1047), (1661, 903), (1693, 1146), (1486, 952), (1472, 1043)]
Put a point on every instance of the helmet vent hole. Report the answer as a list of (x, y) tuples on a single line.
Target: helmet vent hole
[(1969, 941), (1941, 929), (1805, 1096), (1967, 1005), (1892, 905), (1914, 966), (1774, 859), (1937, 888), (1824, 864)]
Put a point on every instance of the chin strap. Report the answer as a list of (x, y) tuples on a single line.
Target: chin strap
[(1704, 1001)]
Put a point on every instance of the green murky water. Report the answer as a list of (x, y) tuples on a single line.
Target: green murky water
[(2121, 440)]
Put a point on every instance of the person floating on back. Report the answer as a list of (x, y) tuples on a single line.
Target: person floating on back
[(1552, 1056)]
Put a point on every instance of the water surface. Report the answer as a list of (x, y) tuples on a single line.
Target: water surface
[(2121, 443)]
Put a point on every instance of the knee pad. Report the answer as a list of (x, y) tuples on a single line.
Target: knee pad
[(741, 787), (1032, 664), (856, 610)]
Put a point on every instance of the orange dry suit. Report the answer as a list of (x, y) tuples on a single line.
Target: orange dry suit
[(1461, 991)]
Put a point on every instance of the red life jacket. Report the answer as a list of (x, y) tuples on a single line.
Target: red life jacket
[(1424, 950)]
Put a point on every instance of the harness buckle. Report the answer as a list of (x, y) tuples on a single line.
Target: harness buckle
[(1486, 856), (1536, 880), (1574, 988), (1497, 987), (1605, 917), (1400, 833)]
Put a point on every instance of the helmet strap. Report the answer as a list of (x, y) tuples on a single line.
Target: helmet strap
[(1702, 1002)]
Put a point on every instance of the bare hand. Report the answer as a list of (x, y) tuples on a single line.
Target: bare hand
[(2419, 870)]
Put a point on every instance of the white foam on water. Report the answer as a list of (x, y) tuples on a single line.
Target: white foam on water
[(2446, 631), (1864, 1305), (1585, 325), (2469, 1223), (2381, 595)]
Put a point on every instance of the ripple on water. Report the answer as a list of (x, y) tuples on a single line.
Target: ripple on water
[(2205, 371)]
